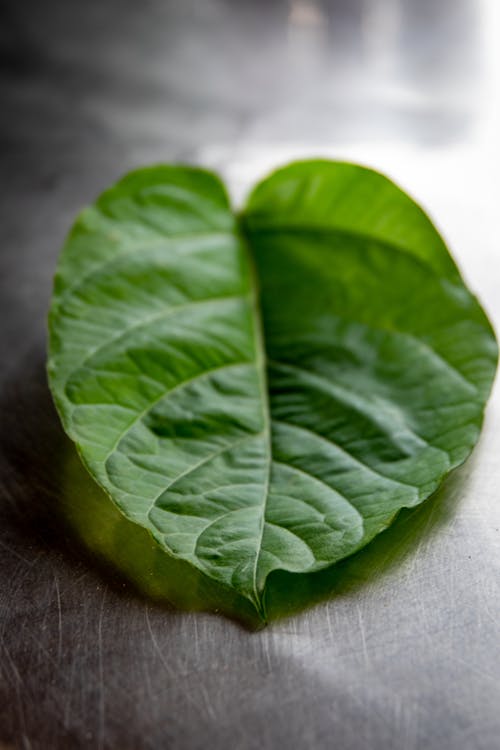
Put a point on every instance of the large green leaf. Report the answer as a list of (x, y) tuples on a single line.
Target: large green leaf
[(265, 392)]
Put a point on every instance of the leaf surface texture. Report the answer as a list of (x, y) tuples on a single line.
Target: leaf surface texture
[(265, 391)]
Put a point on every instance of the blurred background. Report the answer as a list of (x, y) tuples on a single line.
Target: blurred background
[(88, 90)]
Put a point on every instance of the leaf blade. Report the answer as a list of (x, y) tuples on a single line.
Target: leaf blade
[(391, 304), (149, 332), (265, 395)]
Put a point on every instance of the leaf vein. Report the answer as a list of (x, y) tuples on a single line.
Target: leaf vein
[(167, 394), (358, 461)]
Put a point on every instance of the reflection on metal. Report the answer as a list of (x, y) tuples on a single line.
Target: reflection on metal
[(307, 41), (306, 13), (414, 65), (381, 31)]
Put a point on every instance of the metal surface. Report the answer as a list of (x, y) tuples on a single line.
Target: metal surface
[(405, 653)]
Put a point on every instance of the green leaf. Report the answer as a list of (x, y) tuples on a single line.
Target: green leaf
[(265, 392)]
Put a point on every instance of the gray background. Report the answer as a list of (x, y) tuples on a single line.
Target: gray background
[(405, 652)]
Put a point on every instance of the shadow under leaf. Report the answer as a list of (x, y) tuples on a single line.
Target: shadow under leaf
[(112, 537), (289, 593), (69, 499)]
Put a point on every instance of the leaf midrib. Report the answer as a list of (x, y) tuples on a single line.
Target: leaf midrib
[(261, 365)]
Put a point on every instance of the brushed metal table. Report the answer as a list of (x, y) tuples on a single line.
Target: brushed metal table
[(404, 653)]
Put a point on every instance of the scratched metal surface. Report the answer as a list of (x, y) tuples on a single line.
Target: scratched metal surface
[(405, 654)]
